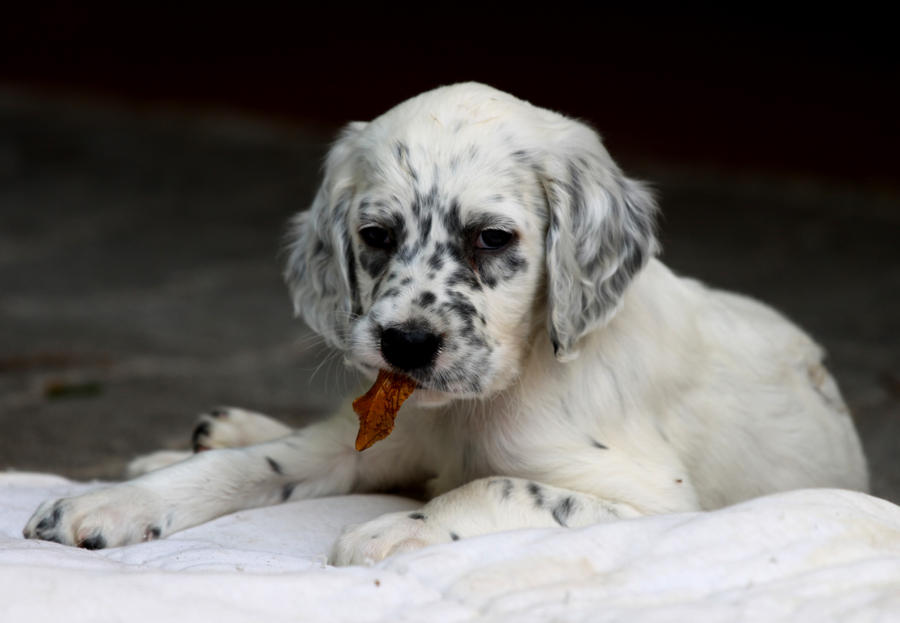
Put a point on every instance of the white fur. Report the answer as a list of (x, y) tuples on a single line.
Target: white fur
[(599, 385)]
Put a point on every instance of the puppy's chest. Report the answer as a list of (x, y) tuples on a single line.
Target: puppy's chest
[(510, 442)]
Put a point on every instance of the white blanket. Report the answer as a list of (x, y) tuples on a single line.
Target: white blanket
[(814, 555)]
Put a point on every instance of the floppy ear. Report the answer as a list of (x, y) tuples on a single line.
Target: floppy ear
[(600, 234), (320, 271)]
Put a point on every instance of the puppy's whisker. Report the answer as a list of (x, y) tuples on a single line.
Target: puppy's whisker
[(330, 358)]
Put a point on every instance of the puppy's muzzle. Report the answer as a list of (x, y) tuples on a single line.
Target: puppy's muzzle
[(409, 348)]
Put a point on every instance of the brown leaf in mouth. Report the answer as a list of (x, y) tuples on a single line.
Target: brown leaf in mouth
[(378, 408)]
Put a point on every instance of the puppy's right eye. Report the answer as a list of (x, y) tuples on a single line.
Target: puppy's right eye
[(377, 237)]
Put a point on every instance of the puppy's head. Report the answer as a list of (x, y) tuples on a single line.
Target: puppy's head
[(451, 229)]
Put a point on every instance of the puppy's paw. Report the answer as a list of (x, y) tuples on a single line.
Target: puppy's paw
[(229, 427), (118, 515), (394, 533)]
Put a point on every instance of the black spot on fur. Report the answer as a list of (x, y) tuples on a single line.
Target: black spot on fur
[(506, 487), (95, 541), (454, 536), (406, 253), (424, 204), (599, 445), (436, 261), (202, 430), (49, 523), (463, 276), (351, 274), (426, 299), (563, 510), (521, 156), (463, 309), (275, 465), (455, 252), (401, 152), (398, 226), (537, 494), (418, 516), (502, 266), (452, 221), (513, 263), (373, 261), (425, 229)]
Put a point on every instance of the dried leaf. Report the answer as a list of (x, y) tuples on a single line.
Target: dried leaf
[(378, 408)]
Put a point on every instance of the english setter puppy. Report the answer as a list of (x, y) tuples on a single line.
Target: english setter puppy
[(494, 252)]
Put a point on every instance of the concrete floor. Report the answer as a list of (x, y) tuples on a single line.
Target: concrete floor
[(140, 279)]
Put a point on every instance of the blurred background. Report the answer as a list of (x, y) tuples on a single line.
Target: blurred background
[(150, 158)]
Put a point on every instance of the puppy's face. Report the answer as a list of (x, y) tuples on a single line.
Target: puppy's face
[(448, 257), (450, 230)]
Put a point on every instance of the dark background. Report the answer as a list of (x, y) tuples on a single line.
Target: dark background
[(809, 93), (150, 156)]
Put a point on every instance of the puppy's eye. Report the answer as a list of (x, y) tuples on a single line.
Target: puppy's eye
[(493, 239), (377, 237)]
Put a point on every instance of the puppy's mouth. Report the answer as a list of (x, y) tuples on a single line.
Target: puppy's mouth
[(433, 388), (424, 381)]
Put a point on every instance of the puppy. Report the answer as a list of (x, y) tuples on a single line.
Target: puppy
[(493, 252)]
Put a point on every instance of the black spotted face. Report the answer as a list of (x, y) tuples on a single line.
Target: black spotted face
[(459, 228), (447, 260)]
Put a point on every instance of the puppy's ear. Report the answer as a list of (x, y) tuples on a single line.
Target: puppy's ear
[(600, 234), (320, 270)]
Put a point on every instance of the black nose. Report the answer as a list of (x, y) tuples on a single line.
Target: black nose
[(408, 349)]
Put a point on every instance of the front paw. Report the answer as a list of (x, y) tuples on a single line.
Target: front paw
[(229, 427), (394, 533), (110, 517)]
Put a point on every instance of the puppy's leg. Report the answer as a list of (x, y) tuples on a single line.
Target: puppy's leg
[(222, 427), (317, 460), (479, 507)]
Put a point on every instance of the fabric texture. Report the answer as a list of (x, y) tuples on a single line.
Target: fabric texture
[(811, 555)]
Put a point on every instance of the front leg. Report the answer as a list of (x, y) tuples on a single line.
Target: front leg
[(479, 507), (315, 461), (222, 427)]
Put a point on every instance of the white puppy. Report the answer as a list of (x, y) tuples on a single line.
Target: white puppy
[(494, 252)]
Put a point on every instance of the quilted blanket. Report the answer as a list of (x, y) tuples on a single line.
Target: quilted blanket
[(811, 555)]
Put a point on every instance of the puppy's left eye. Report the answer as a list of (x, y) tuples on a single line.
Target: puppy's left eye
[(493, 239), (377, 237)]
